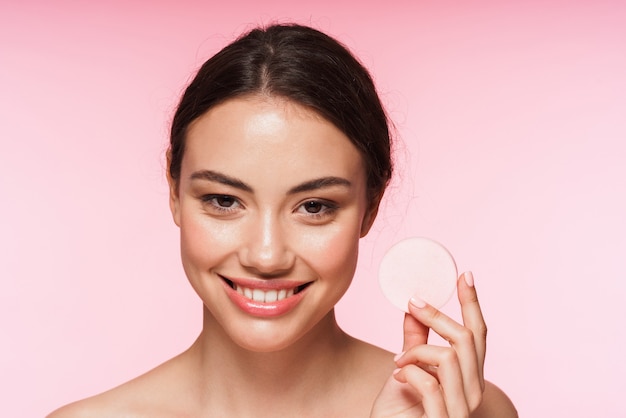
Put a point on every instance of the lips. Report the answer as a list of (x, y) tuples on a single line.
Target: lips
[(269, 297)]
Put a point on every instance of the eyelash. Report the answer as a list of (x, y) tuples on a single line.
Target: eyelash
[(327, 208), (211, 199)]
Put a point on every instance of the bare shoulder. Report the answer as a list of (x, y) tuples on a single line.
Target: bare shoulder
[(495, 404), (367, 357), (90, 407), (157, 393), (370, 368)]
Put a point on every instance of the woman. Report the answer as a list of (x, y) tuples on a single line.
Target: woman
[(279, 157)]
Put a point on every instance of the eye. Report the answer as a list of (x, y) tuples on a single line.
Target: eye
[(313, 206), (221, 202), (225, 201), (317, 209)]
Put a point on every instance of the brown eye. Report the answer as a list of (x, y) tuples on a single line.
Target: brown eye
[(313, 206), (221, 202), (317, 210), (225, 201)]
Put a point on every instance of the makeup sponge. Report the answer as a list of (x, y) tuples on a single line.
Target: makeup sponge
[(417, 267)]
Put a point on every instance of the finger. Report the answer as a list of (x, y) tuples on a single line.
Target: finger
[(473, 317), (427, 389), (415, 333), (443, 364), (461, 339)]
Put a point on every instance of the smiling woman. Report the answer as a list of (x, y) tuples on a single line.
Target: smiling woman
[(279, 156), (253, 226)]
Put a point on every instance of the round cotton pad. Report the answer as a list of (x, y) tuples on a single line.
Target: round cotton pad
[(418, 267)]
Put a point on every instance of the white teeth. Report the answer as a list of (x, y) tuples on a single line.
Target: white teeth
[(259, 295), (271, 296)]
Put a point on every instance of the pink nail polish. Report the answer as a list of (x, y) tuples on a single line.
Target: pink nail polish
[(397, 356), (469, 278), (417, 302)]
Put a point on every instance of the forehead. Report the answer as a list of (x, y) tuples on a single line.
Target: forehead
[(269, 138)]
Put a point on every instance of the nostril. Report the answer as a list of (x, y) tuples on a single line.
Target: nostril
[(267, 261)]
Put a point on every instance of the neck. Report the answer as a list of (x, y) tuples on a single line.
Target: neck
[(291, 378)]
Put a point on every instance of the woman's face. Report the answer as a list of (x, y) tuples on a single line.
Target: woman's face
[(271, 204)]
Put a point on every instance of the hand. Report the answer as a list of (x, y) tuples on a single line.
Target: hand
[(434, 381)]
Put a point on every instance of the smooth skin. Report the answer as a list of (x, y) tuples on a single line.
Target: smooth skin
[(250, 207)]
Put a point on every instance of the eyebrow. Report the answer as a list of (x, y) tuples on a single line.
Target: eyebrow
[(320, 183), (315, 184), (216, 177)]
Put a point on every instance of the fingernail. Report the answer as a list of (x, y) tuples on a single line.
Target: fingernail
[(469, 278), (396, 371), (417, 302), (397, 356)]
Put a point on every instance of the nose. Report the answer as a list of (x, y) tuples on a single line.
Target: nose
[(267, 252)]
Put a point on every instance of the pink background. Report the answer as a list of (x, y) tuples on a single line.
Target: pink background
[(511, 125)]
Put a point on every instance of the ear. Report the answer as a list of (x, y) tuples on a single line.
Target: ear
[(174, 198), (370, 215)]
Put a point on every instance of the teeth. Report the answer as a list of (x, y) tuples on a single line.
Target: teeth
[(271, 296), (259, 295)]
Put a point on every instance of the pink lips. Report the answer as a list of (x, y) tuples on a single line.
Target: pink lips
[(278, 296)]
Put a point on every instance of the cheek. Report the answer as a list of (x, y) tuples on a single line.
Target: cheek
[(333, 255), (204, 243)]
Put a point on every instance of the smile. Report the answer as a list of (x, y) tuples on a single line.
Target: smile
[(265, 295)]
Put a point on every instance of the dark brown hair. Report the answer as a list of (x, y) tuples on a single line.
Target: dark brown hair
[(300, 64)]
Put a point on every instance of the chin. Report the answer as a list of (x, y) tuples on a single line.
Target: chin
[(264, 346), (267, 336)]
